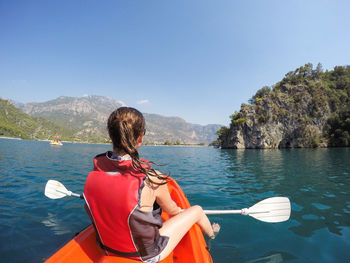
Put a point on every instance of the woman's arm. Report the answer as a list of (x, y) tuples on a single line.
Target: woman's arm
[(164, 200)]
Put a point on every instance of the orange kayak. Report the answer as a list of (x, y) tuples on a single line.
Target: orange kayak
[(84, 248)]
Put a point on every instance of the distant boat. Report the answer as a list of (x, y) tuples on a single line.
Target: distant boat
[(56, 141)]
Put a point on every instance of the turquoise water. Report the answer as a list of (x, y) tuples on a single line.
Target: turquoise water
[(317, 181)]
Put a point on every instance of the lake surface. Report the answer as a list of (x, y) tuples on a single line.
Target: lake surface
[(317, 181)]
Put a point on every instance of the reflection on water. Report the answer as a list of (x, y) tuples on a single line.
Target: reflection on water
[(55, 224), (275, 258), (316, 181)]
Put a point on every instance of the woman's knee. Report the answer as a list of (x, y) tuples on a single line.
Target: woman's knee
[(198, 210)]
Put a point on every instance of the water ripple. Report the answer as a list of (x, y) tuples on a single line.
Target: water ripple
[(317, 181)]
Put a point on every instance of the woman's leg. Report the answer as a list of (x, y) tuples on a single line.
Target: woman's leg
[(176, 227)]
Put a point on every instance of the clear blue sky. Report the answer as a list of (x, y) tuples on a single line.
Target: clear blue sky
[(198, 60)]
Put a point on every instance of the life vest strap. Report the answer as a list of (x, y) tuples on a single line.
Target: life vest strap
[(119, 253), (146, 251)]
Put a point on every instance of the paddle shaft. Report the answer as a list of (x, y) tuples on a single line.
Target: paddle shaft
[(77, 195), (208, 212), (70, 193), (222, 212)]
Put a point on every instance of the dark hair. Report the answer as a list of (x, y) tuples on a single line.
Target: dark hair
[(125, 125)]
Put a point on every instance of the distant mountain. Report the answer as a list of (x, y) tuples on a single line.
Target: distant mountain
[(15, 123), (161, 128), (16, 103), (88, 116), (206, 133)]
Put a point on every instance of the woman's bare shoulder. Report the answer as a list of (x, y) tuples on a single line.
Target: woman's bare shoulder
[(155, 181)]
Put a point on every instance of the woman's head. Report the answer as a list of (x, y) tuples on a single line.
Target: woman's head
[(126, 126)]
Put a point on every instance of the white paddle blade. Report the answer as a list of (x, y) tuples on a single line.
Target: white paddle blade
[(272, 210), (54, 190)]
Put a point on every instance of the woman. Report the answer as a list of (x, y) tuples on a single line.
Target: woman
[(125, 197)]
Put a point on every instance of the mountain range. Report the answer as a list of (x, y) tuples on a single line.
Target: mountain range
[(84, 119)]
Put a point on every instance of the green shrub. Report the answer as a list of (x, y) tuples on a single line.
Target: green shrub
[(239, 121)]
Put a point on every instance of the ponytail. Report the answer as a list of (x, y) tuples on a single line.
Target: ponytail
[(125, 125)]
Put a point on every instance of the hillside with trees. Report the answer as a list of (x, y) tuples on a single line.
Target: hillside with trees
[(15, 123), (307, 108)]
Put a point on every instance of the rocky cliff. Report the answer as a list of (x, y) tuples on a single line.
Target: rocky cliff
[(296, 112)]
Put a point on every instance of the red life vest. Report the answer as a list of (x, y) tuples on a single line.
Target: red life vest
[(112, 192)]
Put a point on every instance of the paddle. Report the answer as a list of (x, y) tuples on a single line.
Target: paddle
[(54, 190), (271, 210)]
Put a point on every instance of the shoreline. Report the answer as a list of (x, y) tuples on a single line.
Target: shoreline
[(101, 143), (10, 138), (162, 145)]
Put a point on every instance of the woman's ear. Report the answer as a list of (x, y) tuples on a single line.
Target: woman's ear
[(139, 141)]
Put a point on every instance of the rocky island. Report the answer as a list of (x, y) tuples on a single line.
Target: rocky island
[(307, 108)]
